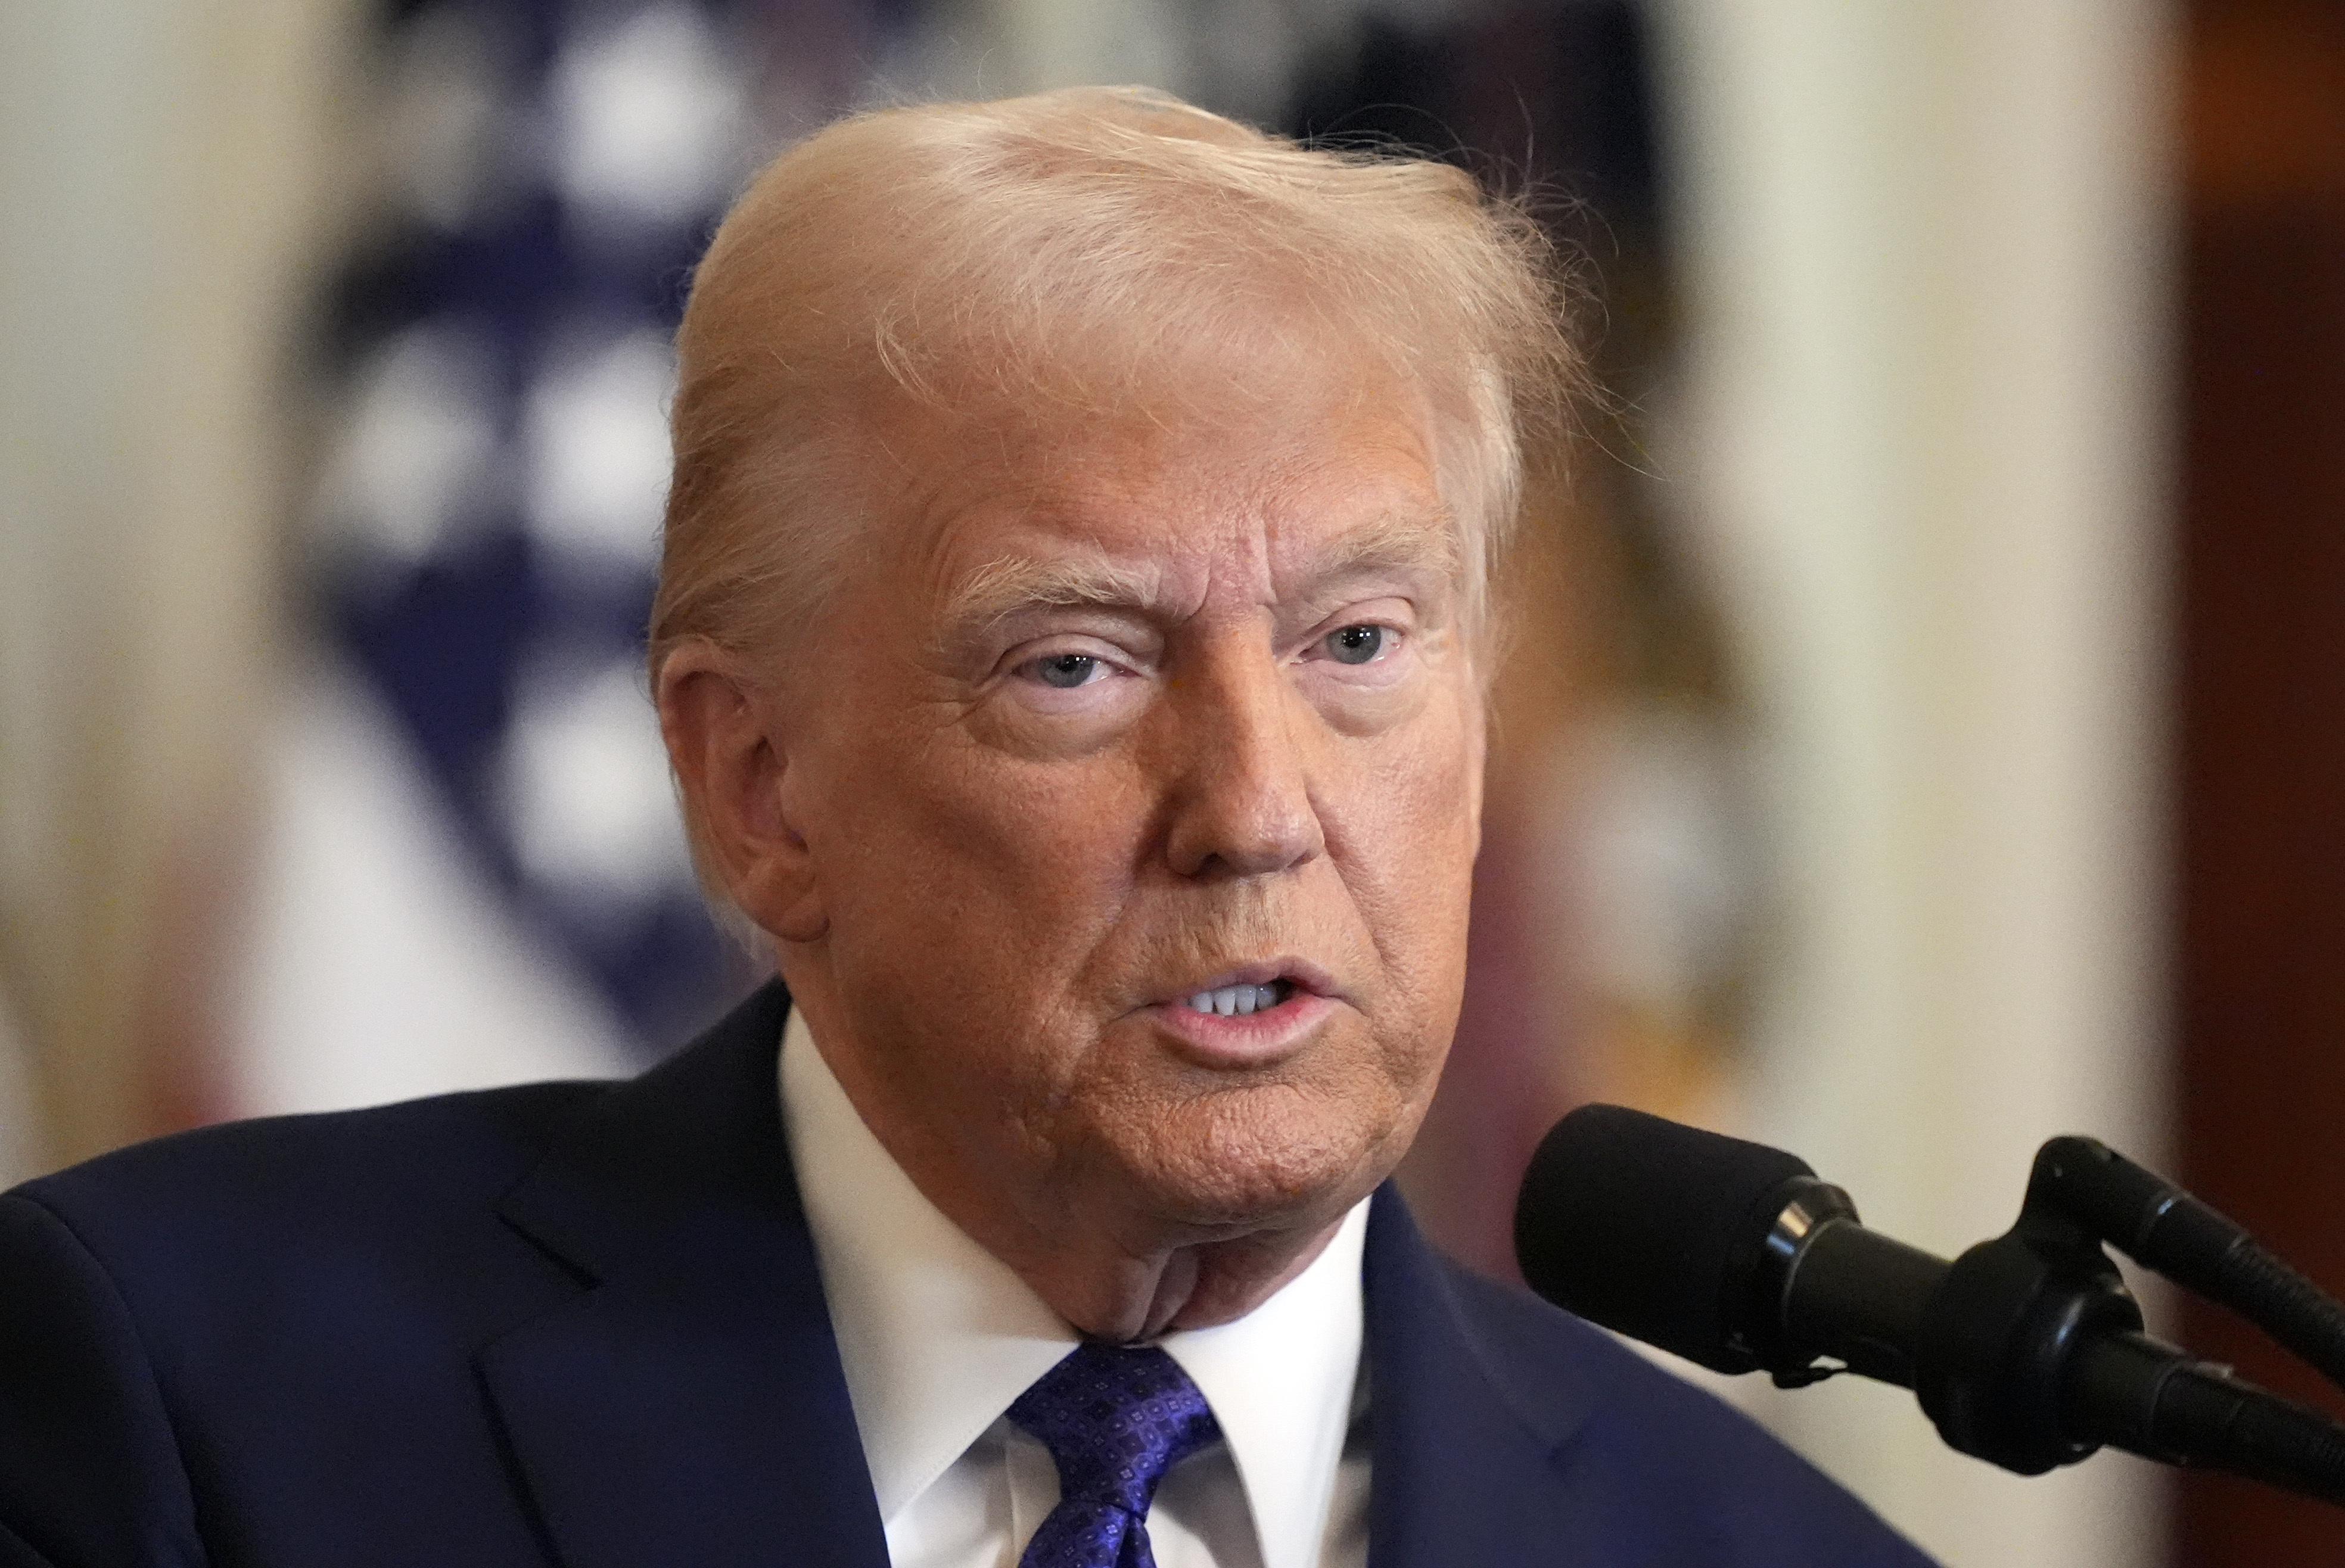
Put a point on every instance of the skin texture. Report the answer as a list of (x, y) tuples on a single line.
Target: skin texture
[(1074, 741)]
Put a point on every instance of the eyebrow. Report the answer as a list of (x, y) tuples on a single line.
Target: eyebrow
[(1003, 588), (1407, 541), (1404, 541)]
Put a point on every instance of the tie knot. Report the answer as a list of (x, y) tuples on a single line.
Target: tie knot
[(1116, 1419)]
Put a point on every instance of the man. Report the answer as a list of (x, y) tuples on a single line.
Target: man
[(1071, 646)]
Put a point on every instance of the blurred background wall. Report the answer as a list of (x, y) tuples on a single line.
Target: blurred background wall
[(2259, 768), (1919, 735)]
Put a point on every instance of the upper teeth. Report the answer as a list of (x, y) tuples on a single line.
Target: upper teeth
[(1236, 1000)]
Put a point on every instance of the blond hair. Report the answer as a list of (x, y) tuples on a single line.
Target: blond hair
[(1072, 244)]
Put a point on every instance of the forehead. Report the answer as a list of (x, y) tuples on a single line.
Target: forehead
[(1290, 474)]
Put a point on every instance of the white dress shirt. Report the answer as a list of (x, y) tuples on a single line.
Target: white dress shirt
[(938, 1336)]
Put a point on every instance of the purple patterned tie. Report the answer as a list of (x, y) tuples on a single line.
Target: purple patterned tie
[(1116, 1419)]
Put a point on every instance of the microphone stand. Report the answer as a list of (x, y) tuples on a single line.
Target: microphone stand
[(2165, 1230), (2028, 1351)]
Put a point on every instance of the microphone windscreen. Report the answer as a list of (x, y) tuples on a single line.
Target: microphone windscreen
[(1651, 1227)]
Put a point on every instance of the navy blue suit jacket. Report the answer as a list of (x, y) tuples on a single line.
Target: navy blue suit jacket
[(581, 1324)]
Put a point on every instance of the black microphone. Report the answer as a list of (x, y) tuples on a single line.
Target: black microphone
[(2026, 1351), (1690, 1240)]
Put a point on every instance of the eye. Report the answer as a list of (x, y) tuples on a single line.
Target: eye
[(1066, 671), (1356, 645)]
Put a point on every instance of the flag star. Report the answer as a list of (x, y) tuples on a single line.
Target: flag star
[(647, 120), (415, 464), (442, 116), (597, 455), (587, 795)]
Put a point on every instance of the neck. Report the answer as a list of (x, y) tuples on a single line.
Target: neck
[(1117, 1271), (1111, 1294)]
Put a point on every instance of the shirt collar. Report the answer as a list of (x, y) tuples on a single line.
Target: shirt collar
[(937, 1336)]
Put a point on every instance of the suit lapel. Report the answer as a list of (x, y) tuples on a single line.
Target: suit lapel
[(1469, 1464), (687, 1406)]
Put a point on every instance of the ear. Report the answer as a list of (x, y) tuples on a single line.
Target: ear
[(733, 768)]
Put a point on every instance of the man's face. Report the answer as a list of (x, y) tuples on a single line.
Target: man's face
[(1139, 770)]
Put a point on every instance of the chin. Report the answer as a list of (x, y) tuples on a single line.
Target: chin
[(1232, 1170)]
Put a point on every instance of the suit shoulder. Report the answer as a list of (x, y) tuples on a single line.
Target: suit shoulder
[(333, 1168), (253, 1327), (1661, 1438)]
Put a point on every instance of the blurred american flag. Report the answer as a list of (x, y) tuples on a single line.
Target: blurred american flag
[(473, 871)]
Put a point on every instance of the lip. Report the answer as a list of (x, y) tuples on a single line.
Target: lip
[(1309, 978), (1257, 1039)]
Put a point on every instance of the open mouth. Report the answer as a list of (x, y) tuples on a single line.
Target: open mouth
[(1250, 1017), (1237, 1001)]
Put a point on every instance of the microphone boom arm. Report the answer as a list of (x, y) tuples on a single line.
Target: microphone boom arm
[(2026, 1351)]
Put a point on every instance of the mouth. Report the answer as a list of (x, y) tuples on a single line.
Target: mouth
[(1249, 1018), (1240, 1001)]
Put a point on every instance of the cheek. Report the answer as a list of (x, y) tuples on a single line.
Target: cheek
[(1047, 848), (961, 873), (1406, 845), (1411, 811)]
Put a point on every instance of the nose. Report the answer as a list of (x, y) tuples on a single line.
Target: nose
[(1241, 801)]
